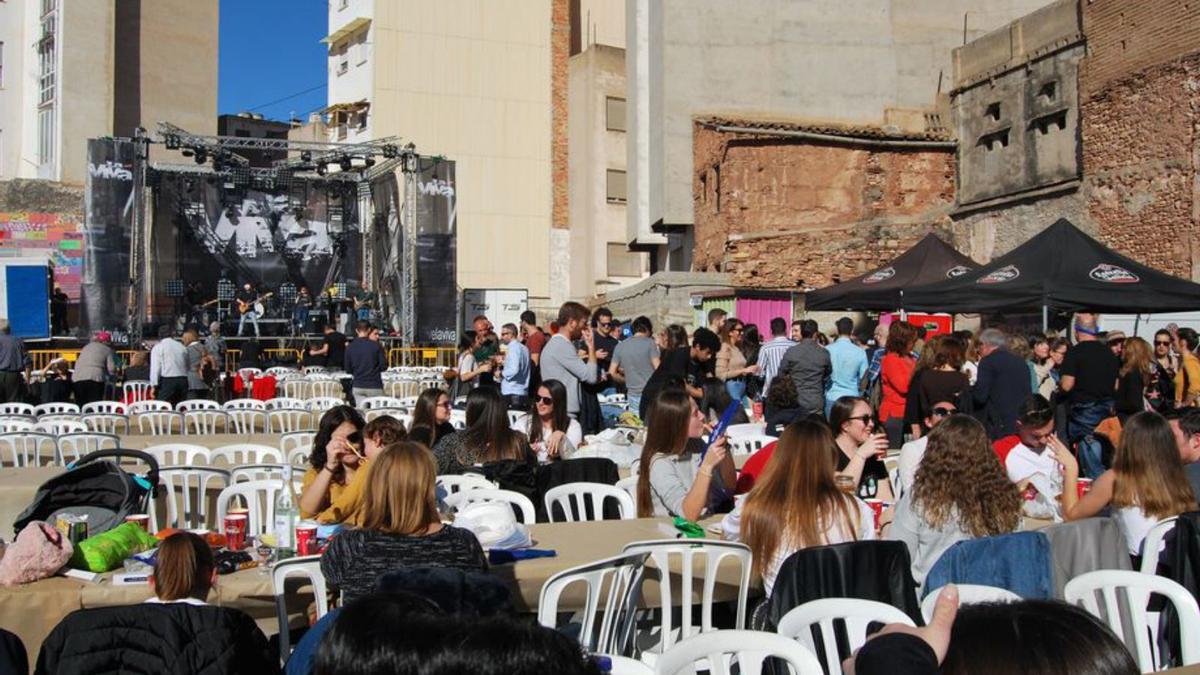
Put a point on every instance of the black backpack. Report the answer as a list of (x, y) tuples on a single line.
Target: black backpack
[(101, 489)]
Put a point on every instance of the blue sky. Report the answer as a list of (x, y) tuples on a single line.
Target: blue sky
[(270, 50)]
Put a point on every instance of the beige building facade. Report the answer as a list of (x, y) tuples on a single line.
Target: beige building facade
[(71, 70)]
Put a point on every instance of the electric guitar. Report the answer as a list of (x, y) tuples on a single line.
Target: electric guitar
[(255, 305)]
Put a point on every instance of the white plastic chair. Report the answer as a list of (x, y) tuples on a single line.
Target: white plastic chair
[(297, 446), (136, 390), (462, 498), (675, 559), (23, 409), (574, 499), (379, 402), (160, 423), (197, 404), (855, 613), (289, 420), (458, 419), (742, 430), (259, 499), (623, 665), (244, 404), (398, 413), (178, 454), (72, 447), (105, 407), (251, 472), (281, 371), (1137, 588), (611, 587), (968, 594), (141, 407), (60, 426), (1153, 543), (748, 445), (629, 484), (205, 422), (238, 454), (312, 370), (246, 421), (29, 448), (319, 404), (13, 423), (453, 483), (56, 409), (327, 388), (719, 650), (309, 568), (186, 491), (295, 388), (283, 403), (106, 423)]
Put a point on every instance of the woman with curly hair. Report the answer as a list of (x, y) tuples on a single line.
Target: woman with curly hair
[(960, 492)]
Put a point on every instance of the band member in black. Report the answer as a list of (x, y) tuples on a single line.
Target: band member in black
[(304, 303)]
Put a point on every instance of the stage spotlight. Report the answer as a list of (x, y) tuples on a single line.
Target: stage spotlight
[(201, 156), (345, 164), (306, 156), (187, 152), (321, 170), (369, 162)]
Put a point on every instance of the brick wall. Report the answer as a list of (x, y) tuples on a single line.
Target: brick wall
[(1141, 146), (774, 211), (560, 52), (1125, 37)]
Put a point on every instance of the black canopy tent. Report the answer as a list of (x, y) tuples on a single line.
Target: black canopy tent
[(1060, 269), (884, 288)]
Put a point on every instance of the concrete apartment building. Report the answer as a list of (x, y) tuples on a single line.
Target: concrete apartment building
[(253, 125), (822, 63), (71, 70), (470, 80)]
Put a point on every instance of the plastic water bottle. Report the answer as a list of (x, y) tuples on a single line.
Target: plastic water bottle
[(287, 512)]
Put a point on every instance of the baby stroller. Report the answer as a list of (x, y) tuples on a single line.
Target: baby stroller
[(99, 488)]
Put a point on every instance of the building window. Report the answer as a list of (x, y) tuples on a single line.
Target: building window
[(993, 111), (46, 135), (622, 262), (343, 4), (1048, 92), (47, 63), (49, 6), (343, 66), (616, 186), (614, 113)]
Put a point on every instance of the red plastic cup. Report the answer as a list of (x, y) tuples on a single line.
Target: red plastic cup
[(1083, 486), (876, 506), (306, 537), (235, 531), (142, 520)]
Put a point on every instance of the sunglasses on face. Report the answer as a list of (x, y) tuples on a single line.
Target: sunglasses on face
[(545, 400), (942, 412), (865, 419), (1162, 343)]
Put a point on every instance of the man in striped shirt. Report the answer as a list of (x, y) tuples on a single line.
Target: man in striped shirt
[(771, 353)]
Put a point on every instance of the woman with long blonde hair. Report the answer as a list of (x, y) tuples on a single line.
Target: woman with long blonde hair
[(400, 526), (960, 492), (1146, 483), (1137, 363), (796, 503)]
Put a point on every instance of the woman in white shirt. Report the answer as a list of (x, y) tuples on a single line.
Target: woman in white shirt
[(677, 476), (796, 504), (1145, 484), (552, 433)]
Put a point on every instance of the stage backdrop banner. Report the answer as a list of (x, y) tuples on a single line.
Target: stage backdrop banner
[(308, 236), (437, 254), (108, 223)]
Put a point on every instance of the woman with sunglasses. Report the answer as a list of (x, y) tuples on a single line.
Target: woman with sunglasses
[(552, 433), (431, 418), (1164, 367), (731, 362), (859, 449)]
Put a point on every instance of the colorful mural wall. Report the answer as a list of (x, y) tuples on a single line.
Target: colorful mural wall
[(58, 234)]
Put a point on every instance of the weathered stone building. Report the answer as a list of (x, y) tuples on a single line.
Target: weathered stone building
[(1084, 109), (789, 205)]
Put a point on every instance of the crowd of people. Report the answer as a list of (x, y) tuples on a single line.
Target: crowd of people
[(991, 428)]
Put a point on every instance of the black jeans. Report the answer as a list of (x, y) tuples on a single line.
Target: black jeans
[(10, 386), (172, 389), (88, 391)]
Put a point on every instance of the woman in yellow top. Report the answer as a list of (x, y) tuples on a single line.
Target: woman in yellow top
[(1187, 378), (335, 463), (345, 501)]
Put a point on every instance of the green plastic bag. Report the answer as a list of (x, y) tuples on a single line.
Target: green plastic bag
[(109, 550)]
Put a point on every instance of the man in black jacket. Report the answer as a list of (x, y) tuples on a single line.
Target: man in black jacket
[(1002, 386)]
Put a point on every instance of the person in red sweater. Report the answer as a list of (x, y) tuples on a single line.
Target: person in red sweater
[(896, 372)]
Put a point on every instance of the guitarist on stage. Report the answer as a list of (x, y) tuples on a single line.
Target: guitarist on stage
[(246, 298)]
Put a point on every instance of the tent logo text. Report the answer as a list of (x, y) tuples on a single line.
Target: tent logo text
[(1112, 274), (1002, 275), (957, 271), (882, 275)]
